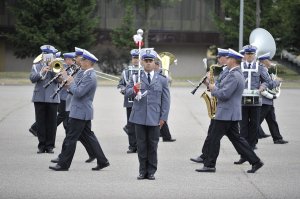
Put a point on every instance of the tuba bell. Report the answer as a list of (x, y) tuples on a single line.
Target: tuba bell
[(38, 58), (166, 59), (265, 43)]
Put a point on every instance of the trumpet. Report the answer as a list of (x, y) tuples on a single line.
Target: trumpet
[(58, 75), (57, 65), (107, 76), (65, 82)]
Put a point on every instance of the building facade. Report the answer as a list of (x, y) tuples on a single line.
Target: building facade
[(177, 26)]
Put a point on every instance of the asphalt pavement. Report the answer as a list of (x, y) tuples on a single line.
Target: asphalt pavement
[(25, 174)]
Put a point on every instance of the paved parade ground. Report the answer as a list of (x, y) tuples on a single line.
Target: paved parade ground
[(25, 174)]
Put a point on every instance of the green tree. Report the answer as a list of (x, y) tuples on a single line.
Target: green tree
[(229, 29), (64, 24), (122, 37), (113, 57), (283, 22), (279, 17)]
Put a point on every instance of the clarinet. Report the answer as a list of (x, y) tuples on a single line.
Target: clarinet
[(201, 81), (64, 83)]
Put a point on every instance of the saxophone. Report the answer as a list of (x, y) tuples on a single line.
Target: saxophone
[(211, 101)]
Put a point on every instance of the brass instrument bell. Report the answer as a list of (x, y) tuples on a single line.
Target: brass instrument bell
[(166, 59), (57, 65)]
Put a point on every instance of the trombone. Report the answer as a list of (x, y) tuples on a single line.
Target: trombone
[(107, 76)]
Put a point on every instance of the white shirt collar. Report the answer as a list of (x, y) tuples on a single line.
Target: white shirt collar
[(151, 74)]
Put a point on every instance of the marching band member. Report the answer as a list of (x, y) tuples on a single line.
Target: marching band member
[(81, 114), (33, 129), (267, 109), (229, 94), (256, 78), (62, 116), (164, 131), (149, 112), (77, 56), (128, 102), (45, 106), (222, 59)]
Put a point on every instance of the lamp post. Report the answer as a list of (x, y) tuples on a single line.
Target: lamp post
[(241, 29)]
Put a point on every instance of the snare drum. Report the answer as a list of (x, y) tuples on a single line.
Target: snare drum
[(251, 98)]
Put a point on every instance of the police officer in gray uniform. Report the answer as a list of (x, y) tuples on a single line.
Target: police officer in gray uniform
[(81, 114), (229, 95), (128, 101), (267, 109), (222, 59), (45, 106), (257, 78), (149, 112), (82, 139)]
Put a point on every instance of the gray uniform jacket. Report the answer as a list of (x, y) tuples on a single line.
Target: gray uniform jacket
[(69, 96), (125, 78), (41, 94), (229, 95), (154, 106), (83, 90), (259, 77)]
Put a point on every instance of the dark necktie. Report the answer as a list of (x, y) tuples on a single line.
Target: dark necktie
[(149, 78), (249, 66)]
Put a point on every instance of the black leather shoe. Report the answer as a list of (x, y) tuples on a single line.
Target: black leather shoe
[(57, 167), (49, 151), (255, 167), (151, 177), (141, 176), (33, 132), (56, 160), (90, 160), (99, 167), (197, 159), (40, 151), (281, 141), (131, 151), (170, 140), (264, 136), (241, 161), (125, 130), (206, 169)]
